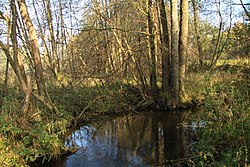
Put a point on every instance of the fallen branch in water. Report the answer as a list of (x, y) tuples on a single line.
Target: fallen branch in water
[(76, 121)]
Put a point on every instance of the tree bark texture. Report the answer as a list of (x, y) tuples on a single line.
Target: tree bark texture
[(174, 66), (183, 48), (34, 46), (165, 52), (152, 55)]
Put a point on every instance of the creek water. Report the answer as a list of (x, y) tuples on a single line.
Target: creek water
[(149, 139)]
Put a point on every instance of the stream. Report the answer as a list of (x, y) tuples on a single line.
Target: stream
[(148, 139)]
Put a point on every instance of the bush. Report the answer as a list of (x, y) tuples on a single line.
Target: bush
[(226, 137), (24, 138)]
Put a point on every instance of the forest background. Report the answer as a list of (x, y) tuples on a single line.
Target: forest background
[(62, 61)]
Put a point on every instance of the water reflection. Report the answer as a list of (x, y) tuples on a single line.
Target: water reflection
[(138, 140)]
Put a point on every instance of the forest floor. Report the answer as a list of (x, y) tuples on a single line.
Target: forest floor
[(223, 91)]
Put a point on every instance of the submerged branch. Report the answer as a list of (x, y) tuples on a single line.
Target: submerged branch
[(76, 121)]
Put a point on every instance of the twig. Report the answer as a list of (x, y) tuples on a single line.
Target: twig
[(49, 105), (85, 109)]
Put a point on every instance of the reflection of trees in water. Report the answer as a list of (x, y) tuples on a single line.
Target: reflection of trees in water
[(156, 137), (153, 138), (173, 136), (169, 140), (81, 136), (136, 131)]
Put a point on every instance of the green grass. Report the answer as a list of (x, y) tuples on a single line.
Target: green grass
[(225, 140), (25, 137)]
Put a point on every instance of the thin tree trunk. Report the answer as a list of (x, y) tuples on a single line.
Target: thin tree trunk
[(245, 10), (155, 140), (52, 37), (152, 55), (6, 75), (218, 40), (63, 37), (197, 33), (42, 36)]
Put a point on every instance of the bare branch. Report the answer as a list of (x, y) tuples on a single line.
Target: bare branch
[(3, 16), (243, 5)]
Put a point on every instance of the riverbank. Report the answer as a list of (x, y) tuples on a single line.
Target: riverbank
[(26, 137), (39, 135), (225, 140)]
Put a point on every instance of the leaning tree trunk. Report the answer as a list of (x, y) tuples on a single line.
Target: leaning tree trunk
[(16, 64), (245, 9), (34, 46)]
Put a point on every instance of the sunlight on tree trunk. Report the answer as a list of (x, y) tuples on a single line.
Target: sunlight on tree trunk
[(53, 53), (34, 46), (183, 47), (151, 52)]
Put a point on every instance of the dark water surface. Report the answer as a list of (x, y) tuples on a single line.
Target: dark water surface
[(149, 139)]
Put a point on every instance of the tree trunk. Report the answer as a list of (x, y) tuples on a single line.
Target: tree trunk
[(63, 36), (52, 38), (165, 52), (16, 65), (216, 51), (245, 9), (174, 66), (34, 46), (183, 47), (197, 33), (6, 75), (151, 52)]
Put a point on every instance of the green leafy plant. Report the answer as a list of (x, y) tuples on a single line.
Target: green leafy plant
[(226, 135)]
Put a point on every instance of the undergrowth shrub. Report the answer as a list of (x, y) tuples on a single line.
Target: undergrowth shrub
[(225, 140), (25, 137), (98, 98)]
